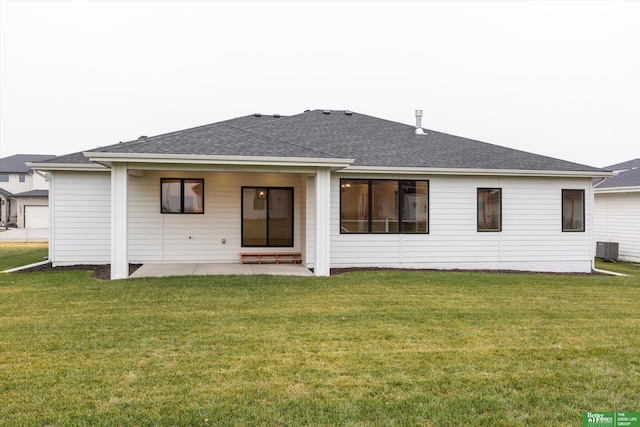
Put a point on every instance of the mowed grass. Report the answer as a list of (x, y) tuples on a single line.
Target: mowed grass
[(14, 255), (357, 349)]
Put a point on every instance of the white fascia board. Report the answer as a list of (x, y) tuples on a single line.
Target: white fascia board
[(629, 189), (108, 158), (82, 167), (483, 172)]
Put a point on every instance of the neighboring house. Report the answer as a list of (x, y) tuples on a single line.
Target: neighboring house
[(23, 192), (343, 189), (617, 209)]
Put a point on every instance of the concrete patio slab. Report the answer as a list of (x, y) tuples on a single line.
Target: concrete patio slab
[(162, 270), (201, 269)]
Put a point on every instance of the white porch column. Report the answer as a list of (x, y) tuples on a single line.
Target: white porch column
[(323, 214), (119, 258)]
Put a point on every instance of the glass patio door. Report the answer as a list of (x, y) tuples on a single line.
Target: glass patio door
[(267, 216)]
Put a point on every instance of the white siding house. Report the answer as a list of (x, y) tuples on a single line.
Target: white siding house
[(340, 188), (23, 192), (617, 210)]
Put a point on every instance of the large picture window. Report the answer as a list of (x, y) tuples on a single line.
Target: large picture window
[(489, 209), (383, 206), (182, 196), (267, 216), (572, 210)]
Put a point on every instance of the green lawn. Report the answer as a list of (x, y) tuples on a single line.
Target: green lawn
[(18, 254), (357, 349)]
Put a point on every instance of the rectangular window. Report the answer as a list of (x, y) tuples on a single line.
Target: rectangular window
[(489, 209), (4, 177), (22, 177), (267, 216), (572, 210), (182, 196), (383, 206)]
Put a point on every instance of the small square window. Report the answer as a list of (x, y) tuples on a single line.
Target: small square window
[(4, 177), (184, 196), (22, 177)]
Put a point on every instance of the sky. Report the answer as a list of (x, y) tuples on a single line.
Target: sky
[(556, 78)]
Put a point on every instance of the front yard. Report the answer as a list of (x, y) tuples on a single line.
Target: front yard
[(360, 349)]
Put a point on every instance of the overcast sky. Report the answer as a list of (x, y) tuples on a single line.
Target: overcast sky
[(555, 78)]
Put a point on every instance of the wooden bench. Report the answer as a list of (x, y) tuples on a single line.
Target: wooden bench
[(270, 257)]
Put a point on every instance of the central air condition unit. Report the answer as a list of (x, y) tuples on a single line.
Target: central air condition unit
[(607, 250)]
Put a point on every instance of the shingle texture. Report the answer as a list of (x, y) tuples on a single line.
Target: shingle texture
[(33, 193), (337, 134), (628, 177), (17, 163)]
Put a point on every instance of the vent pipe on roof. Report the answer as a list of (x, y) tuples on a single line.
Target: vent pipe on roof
[(419, 130)]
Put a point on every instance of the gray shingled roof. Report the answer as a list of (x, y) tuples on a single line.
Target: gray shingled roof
[(215, 139), (338, 134), (33, 193), (17, 163), (629, 177)]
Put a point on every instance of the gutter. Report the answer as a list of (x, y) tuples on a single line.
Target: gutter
[(475, 172), (83, 167)]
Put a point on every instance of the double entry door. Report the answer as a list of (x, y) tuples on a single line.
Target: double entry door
[(267, 216)]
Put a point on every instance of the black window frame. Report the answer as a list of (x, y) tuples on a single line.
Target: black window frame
[(4, 177), (399, 206), (488, 230), (573, 230), (267, 188), (22, 178), (182, 211)]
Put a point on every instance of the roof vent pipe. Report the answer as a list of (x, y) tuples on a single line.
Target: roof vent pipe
[(419, 130)]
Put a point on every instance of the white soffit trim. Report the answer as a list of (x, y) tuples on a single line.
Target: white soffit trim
[(94, 167), (457, 171), (108, 158), (629, 189)]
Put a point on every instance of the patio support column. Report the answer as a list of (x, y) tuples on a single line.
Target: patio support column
[(119, 257), (323, 212)]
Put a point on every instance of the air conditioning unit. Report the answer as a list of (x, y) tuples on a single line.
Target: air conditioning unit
[(607, 250)]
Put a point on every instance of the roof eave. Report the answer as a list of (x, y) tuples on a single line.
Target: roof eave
[(67, 167), (627, 189), (108, 158), (463, 171)]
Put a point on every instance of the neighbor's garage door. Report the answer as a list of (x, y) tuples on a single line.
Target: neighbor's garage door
[(36, 216)]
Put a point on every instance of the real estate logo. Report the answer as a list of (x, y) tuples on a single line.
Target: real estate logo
[(611, 419)]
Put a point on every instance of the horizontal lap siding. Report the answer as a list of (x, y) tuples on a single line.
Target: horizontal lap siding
[(156, 237), (618, 220), (531, 221), (81, 218)]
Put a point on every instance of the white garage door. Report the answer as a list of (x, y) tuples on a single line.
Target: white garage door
[(36, 216)]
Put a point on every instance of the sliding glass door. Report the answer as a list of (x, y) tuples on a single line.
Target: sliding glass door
[(267, 216)]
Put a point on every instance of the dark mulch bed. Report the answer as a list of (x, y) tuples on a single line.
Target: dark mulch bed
[(101, 272), (336, 271)]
